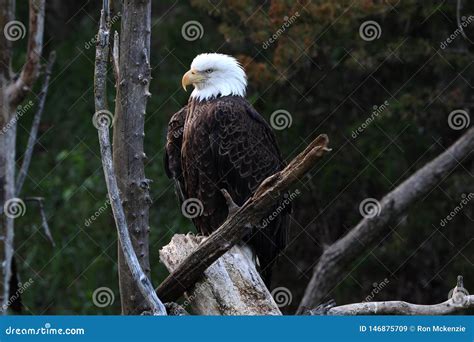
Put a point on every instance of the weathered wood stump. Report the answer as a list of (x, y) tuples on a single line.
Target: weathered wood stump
[(230, 286)]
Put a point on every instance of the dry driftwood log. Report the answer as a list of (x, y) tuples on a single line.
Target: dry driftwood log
[(459, 300), (230, 286)]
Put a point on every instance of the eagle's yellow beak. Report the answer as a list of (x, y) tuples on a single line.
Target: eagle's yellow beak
[(191, 77)]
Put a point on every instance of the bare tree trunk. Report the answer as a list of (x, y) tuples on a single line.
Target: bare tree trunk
[(128, 136), (337, 257), (6, 178)]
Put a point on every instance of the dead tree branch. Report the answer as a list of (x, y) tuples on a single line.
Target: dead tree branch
[(401, 308), (102, 120), (460, 300), (235, 227), (332, 263), (35, 126), (44, 221), (18, 90)]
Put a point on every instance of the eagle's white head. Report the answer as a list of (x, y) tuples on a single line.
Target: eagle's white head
[(215, 74)]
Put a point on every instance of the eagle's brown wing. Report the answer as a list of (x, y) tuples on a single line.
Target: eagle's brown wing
[(172, 156), (246, 153)]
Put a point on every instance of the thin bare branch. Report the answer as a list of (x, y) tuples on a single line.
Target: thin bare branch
[(44, 220), (34, 127), (235, 227)]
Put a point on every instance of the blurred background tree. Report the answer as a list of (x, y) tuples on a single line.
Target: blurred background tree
[(329, 75)]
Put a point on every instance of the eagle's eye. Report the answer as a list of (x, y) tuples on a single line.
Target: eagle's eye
[(208, 71)]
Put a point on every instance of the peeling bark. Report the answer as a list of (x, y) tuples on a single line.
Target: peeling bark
[(230, 286)]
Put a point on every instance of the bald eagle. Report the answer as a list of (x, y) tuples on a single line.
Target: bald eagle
[(219, 141)]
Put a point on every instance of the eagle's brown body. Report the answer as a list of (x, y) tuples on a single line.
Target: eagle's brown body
[(224, 143)]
